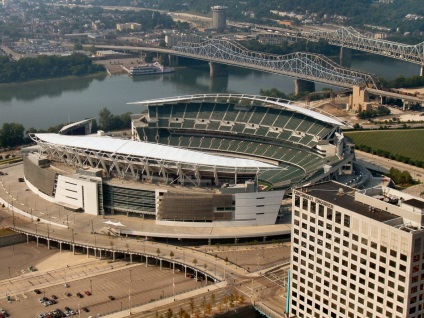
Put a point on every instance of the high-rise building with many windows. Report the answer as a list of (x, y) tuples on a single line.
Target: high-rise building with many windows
[(356, 253)]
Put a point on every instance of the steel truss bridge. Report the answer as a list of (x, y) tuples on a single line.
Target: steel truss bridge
[(306, 66), (350, 38)]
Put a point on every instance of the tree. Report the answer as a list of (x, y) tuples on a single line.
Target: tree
[(92, 49), (203, 303), (158, 251), (171, 254), (213, 299), (195, 261), (105, 119), (192, 305), (12, 134), (208, 309), (169, 313), (78, 47), (242, 299)]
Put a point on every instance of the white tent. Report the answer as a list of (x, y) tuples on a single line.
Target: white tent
[(114, 223)]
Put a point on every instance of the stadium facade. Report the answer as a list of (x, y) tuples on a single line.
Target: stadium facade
[(211, 160)]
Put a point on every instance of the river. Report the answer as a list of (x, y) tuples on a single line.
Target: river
[(47, 103)]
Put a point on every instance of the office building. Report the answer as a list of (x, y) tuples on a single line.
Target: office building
[(356, 253)]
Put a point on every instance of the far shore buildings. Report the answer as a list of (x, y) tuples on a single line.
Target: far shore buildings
[(128, 26)]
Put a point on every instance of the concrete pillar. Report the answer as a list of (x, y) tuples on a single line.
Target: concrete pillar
[(27, 238), (345, 53), (88, 250), (160, 264), (302, 86), (209, 242), (100, 254), (48, 244), (95, 252), (173, 60), (37, 240), (131, 258), (60, 247), (173, 267), (185, 271), (73, 249), (264, 239), (146, 260), (422, 70), (113, 255), (216, 69)]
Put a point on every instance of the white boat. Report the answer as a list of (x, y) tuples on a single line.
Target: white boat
[(154, 68)]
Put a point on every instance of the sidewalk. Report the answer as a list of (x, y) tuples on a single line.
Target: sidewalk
[(166, 301)]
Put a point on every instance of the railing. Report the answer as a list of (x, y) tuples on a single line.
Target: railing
[(300, 65), (350, 38)]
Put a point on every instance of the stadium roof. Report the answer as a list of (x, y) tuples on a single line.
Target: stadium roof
[(75, 125), (148, 150), (266, 101)]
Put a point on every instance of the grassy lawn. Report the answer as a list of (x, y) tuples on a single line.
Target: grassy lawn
[(408, 143)]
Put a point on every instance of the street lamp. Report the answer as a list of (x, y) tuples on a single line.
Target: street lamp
[(91, 286), (130, 276)]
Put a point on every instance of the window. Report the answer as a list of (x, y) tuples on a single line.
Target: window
[(338, 218), (297, 201), (347, 220), (313, 207), (320, 210), (329, 214)]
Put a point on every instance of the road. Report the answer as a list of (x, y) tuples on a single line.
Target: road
[(416, 172)]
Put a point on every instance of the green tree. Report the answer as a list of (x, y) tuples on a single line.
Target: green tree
[(78, 47), (171, 254), (105, 119), (92, 49), (195, 261), (12, 134)]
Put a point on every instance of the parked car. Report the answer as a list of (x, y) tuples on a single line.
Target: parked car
[(54, 297), (79, 295), (88, 293), (111, 298), (37, 291), (85, 309)]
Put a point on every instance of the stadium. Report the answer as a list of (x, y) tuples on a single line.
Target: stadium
[(218, 160)]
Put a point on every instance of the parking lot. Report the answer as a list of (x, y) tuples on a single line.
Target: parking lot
[(104, 286)]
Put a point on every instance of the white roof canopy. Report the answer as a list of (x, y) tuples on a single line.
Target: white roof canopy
[(149, 150)]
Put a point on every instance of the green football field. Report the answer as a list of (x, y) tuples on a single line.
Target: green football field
[(408, 143)]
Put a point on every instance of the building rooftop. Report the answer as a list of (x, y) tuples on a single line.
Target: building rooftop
[(343, 196), (415, 203), (149, 150)]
